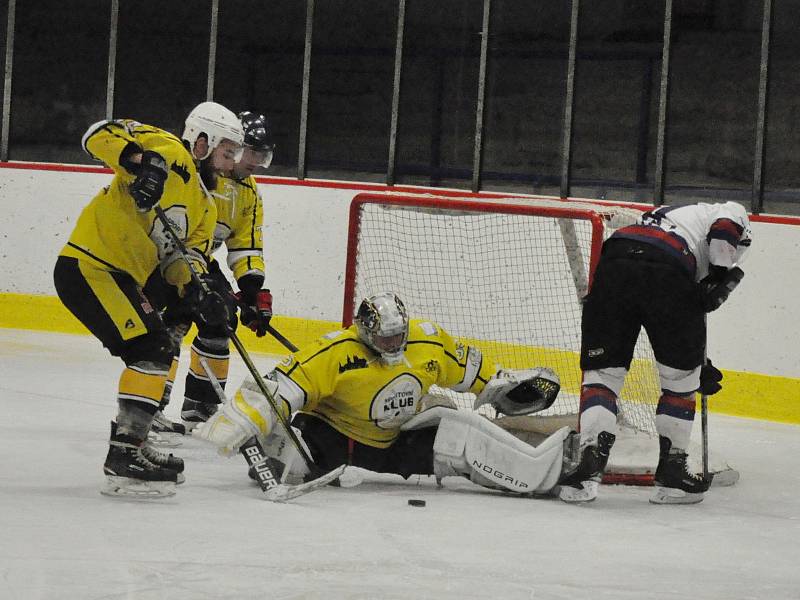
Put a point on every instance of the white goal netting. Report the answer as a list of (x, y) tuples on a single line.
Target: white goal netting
[(507, 275)]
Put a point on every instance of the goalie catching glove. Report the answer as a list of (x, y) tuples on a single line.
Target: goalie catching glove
[(520, 392), (246, 415)]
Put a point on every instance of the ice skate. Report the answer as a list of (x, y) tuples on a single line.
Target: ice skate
[(674, 483), (130, 473), (582, 484), (193, 412), (162, 424)]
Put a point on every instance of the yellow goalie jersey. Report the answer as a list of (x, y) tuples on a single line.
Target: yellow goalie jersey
[(240, 215), (112, 235), (340, 380)]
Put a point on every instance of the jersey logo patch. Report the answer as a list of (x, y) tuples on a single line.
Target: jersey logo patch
[(354, 362), (397, 402), (181, 170)]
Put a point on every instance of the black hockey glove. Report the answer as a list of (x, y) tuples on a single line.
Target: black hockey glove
[(148, 186), (710, 377), (256, 310), (718, 285), (208, 307)]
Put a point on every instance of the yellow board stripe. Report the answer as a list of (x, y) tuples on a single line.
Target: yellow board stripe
[(752, 395)]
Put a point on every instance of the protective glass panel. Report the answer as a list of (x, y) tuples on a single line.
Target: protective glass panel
[(438, 95), (350, 101), (615, 118), (525, 86), (3, 24), (162, 61), (59, 77), (259, 67), (711, 118), (782, 143)]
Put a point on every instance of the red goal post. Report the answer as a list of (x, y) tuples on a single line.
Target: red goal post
[(506, 274)]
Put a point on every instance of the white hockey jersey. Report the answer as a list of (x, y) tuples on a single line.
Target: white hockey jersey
[(696, 235)]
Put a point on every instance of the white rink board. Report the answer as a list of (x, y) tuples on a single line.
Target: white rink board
[(305, 241)]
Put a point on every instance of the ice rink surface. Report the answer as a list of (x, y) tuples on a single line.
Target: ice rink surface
[(59, 538)]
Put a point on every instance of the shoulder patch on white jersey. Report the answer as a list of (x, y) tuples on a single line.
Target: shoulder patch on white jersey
[(333, 335), (428, 328)]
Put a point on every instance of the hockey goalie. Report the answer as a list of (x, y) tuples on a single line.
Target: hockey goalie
[(356, 394)]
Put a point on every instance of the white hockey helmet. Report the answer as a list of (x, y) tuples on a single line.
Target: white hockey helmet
[(214, 121), (382, 323), (739, 215)]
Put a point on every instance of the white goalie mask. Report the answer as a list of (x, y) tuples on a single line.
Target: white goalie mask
[(382, 323), (217, 123)]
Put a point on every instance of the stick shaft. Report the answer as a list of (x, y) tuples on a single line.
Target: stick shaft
[(237, 343), (704, 408)]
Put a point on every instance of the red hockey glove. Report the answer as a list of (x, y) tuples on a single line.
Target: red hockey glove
[(256, 311)]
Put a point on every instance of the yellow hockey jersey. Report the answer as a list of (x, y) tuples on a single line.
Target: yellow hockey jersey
[(240, 216), (341, 381), (112, 235)]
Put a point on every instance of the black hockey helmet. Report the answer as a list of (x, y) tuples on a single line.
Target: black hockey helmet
[(257, 133), (258, 143)]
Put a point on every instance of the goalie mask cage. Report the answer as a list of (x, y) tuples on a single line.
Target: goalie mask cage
[(508, 275)]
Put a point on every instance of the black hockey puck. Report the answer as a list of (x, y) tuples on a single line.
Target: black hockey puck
[(416, 502)]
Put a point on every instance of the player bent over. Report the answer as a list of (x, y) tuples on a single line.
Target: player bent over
[(239, 224), (357, 393), (664, 274), (117, 243)]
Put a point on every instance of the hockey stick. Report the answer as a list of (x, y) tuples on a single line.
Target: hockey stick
[(267, 475), (704, 408), (272, 331), (268, 471), (277, 335), (181, 247)]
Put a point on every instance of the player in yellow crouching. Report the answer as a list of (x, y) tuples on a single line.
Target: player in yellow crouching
[(117, 243), (356, 396)]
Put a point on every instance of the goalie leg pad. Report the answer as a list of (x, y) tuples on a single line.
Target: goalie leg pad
[(467, 444), (246, 415)]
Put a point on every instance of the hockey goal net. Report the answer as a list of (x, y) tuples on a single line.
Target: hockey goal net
[(508, 275)]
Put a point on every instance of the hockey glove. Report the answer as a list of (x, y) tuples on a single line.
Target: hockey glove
[(148, 186), (256, 310), (718, 285), (710, 376), (208, 307)]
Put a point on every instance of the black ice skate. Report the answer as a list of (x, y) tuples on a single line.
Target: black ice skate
[(162, 424), (167, 461), (581, 485), (130, 473), (674, 483), (193, 412)]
